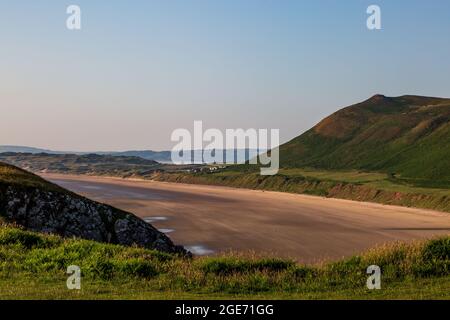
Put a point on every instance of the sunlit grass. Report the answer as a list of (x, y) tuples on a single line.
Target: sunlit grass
[(10, 175), (33, 266), (346, 176)]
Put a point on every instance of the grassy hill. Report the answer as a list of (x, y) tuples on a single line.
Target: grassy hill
[(407, 135), (33, 266)]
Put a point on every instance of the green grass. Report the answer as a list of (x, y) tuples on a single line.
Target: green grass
[(10, 175), (32, 266), (382, 181), (354, 176), (54, 287)]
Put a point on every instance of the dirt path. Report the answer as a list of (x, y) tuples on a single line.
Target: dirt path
[(210, 219)]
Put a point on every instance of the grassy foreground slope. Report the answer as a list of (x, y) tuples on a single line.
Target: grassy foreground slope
[(33, 266)]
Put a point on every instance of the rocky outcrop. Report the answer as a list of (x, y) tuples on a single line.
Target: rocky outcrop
[(70, 215)]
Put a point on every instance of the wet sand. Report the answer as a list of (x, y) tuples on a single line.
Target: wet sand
[(211, 219)]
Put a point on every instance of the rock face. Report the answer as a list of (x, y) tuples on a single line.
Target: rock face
[(70, 215)]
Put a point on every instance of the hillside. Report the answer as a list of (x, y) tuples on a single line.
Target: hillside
[(241, 155), (21, 149), (37, 205), (78, 164), (408, 136), (163, 156)]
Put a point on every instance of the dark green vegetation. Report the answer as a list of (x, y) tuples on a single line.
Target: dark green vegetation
[(33, 265), (407, 136)]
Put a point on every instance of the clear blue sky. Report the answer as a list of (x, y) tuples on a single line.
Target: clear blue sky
[(139, 69)]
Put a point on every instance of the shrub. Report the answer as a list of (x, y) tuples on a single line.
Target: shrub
[(225, 265), (27, 239), (138, 268), (437, 249)]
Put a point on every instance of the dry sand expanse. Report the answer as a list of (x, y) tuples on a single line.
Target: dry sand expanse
[(210, 219)]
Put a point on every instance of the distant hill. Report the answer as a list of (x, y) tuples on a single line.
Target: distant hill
[(240, 155), (161, 156), (90, 164), (407, 135), (20, 149), (79, 164)]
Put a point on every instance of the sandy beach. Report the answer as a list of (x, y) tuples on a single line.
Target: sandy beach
[(211, 219)]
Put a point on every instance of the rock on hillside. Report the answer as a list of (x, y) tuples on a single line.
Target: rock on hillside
[(41, 206)]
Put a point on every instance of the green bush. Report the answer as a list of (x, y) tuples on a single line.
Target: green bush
[(27, 239), (138, 268), (438, 249), (229, 265)]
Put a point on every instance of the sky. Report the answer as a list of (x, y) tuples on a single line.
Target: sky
[(137, 70)]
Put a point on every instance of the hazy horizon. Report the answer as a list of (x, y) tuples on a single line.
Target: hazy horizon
[(103, 151), (136, 71)]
